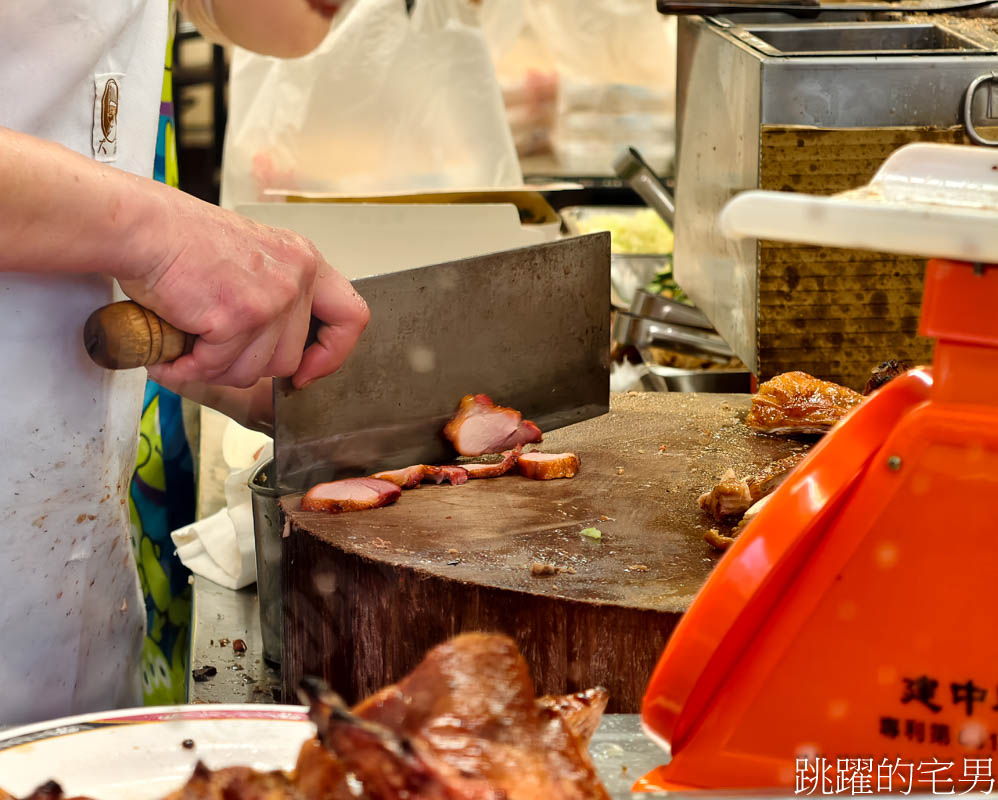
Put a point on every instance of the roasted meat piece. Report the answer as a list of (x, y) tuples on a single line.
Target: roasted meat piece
[(735, 498), (411, 477), (769, 479), (319, 775), (235, 783), (494, 469), (453, 475), (50, 790), (468, 715), (718, 540), (388, 765), (464, 725), (581, 711), (796, 402), (884, 372), (351, 494), (730, 498), (405, 478), (480, 426), (548, 466)]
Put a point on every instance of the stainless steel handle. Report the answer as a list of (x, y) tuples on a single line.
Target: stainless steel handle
[(642, 332), (632, 169), (968, 106)]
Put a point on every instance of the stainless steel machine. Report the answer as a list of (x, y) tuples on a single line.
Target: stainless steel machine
[(767, 100)]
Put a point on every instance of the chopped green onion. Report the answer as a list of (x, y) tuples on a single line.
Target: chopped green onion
[(592, 533)]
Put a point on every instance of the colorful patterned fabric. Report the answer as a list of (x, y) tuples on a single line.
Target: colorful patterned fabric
[(162, 491)]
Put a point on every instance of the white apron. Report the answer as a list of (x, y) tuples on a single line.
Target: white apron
[(72, 620)]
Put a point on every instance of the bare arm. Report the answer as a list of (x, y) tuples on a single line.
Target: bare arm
[(246, 290), (282, 28)]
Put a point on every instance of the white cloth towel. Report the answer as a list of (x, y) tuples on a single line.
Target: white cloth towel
[(221, 547)]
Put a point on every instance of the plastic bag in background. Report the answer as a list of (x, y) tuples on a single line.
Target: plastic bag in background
[(526, 74), (616, 61), (386, 103), (530, 102), (607, 41)]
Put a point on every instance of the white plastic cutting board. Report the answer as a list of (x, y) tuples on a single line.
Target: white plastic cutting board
[(929, 200)]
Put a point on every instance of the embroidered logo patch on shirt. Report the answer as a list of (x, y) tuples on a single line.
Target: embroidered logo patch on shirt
[(107, 101)]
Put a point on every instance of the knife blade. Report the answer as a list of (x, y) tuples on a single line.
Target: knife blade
[(529, 327)]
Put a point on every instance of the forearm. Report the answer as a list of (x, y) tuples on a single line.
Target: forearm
[(63, 213), (282, 28), (246, 291)]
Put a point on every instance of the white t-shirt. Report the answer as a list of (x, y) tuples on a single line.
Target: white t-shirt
[(86, 74)]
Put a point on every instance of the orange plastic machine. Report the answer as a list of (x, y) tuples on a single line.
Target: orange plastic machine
[(851, 632)]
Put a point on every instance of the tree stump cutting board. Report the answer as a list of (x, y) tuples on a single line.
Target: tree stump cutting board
[(367, 594)]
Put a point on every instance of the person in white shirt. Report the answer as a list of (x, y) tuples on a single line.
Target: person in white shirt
[(80, 85)]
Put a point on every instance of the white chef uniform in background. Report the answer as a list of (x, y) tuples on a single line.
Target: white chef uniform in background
[(71, 616)]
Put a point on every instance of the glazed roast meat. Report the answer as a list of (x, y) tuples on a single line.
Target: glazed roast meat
[(581, 711), (465, 724), (733, 496), (469, 709), (480, 427), (494, 469), (548, 466), (796, 402), (351, 494)]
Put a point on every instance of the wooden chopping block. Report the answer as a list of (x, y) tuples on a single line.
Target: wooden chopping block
[(367, 594)]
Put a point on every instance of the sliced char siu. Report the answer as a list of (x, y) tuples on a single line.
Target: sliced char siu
[(452, 474), (411, 477), (480, 427), (405, 478), (548, 466), (494, 469), (351, 494)]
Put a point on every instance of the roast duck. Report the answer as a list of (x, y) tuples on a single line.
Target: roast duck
[(464, 725)]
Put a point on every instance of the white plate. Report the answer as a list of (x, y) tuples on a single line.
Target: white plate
[(138, 754), (929, 200)]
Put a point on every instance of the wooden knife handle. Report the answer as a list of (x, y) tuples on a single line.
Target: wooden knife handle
[(125, 335)]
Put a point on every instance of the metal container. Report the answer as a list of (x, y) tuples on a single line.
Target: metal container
[(630, 271), (268, 525), (743, 83), (726, 381)]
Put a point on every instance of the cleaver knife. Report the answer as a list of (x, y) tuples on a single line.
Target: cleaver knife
[(528, 327)]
